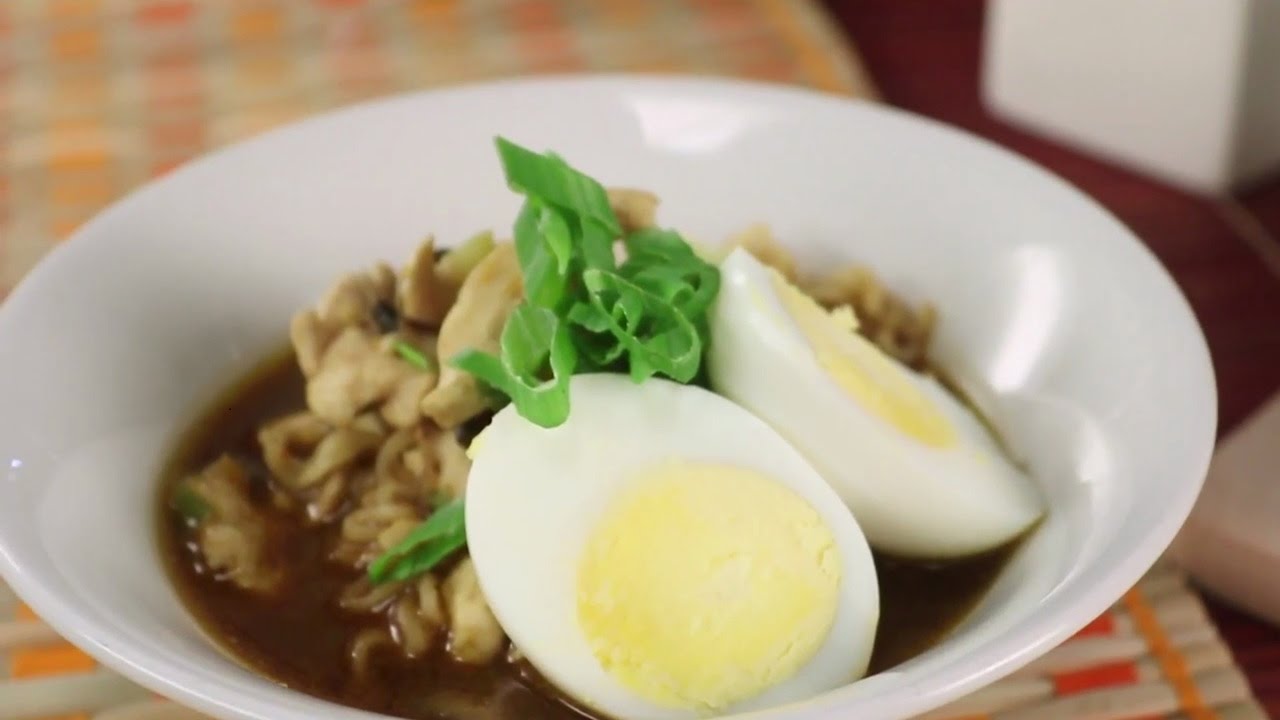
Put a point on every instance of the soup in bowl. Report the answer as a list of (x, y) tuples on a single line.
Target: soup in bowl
[(698, 399)]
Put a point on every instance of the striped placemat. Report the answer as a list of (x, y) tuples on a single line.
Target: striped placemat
[(1155, 654), (97, 96), (100, 95)]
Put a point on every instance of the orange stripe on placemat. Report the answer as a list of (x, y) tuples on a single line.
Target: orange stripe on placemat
[(75, 44), (818, 65), (1095, 678), (1104, 624), (42, 662), (434, 11), (71, 9), (164, 12), (256, 24), (1172, 665)]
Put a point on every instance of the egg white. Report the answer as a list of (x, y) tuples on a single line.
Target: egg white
[(911, 499), (534, 494)]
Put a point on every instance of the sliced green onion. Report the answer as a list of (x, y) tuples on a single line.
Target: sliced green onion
[(438, 537), (189, 504), (413, 355)]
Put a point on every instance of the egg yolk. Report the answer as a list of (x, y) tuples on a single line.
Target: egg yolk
[(706, 584), (868, 376)]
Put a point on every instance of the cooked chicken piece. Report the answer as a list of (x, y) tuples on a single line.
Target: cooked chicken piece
[(338, 449), (310, 337), (401, 409), (232, 534), (474, 634), (455, 466), (353, 375), (351, 300), (759, 241), (486, 298), (636, 209), (349, 303), (288, 440)]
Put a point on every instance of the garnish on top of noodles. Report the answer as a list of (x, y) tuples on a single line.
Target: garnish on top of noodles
[(582, 310)]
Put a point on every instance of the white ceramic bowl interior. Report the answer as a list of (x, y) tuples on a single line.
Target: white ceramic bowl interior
[(1062, 325)]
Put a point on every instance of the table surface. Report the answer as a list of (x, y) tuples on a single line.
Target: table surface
[(1225, 254)]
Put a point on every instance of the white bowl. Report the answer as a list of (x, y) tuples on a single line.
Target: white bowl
[(1068, 332)]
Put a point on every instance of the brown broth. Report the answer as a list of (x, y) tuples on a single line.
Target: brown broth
[(300, 637)]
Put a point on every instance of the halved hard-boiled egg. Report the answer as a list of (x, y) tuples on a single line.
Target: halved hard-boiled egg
[(920, 471), (666, 554)]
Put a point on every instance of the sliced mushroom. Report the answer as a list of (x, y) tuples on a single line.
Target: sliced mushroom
[(424, 298), (453, 268), (486, 298)]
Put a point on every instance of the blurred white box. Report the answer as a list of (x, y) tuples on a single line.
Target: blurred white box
[(1187, 90), (1231, 542)]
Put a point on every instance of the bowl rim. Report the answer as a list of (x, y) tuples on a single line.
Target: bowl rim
[(1015, 646)]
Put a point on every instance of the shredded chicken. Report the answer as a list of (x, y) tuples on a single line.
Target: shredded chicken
[(886, 319), (232, 535), (351, 300), (401, 408), (488, 295), (347, 346), (636, 209), (455, 466), (337, 450), (287, 441), (310, 336), (474, 634), (354, 374), (758, 240)]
